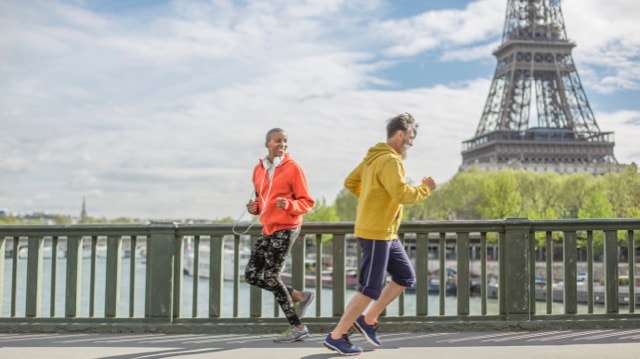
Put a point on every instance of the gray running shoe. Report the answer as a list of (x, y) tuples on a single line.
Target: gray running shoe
[(303, 304), (293, 334)]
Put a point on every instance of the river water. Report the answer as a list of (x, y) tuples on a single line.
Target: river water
[(450, 302)]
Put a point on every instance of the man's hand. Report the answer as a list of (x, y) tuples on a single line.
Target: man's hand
[(429, 182)]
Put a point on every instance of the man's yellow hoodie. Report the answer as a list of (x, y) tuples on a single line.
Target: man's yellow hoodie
[(380, 185)]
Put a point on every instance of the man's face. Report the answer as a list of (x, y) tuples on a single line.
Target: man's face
[(407, 142)]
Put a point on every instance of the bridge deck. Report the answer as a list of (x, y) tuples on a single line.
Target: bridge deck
[(597, 343)]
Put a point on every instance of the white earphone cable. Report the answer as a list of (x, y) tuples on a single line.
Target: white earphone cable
[(233, 229), (262, 199)]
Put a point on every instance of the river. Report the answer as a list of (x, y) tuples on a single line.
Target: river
[(227, 311)]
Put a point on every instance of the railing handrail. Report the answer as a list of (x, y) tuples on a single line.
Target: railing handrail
[(513, 237), (310, 227)]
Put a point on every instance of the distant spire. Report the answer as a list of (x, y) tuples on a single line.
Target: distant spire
[(83, 213)]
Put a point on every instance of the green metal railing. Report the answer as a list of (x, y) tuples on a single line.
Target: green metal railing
[(132, 277)]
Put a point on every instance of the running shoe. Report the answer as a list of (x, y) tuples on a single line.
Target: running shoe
[(303, 304), (369, 331), (342, 345), (293, 334)]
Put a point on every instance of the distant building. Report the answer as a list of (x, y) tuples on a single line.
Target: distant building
[(42, 217), (83, 212), (537, 116)]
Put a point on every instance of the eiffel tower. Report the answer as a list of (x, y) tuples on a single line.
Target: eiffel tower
[(560, 132)]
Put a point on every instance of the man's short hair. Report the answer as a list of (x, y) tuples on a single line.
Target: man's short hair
[(402, 122)]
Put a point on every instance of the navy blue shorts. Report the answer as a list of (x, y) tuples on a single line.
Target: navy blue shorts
[(380, 257)]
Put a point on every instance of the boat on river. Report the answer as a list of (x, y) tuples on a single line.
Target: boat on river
[(204, 264), (47, 252), (451, 282)]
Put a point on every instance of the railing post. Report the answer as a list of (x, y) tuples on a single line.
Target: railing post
[(74, 277), (112, 282), (570, 259), (160, 267), (611, 300), (3, 248), (463, 275), (178, 270), (298, 268), (514, 268), (422, 274), (339, 246), (216, 278), (34, 277)]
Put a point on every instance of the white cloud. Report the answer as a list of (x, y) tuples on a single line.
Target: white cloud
[(164, 116), (473, 53), (626, 127), (608, 39), (446, 28)]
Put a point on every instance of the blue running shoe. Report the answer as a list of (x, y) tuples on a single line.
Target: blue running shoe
[(342, 345), (369, 331)]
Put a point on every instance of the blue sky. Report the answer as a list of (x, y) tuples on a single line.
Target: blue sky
[(158, 109)]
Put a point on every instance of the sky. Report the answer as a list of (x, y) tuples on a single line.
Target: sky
[(159, 109)]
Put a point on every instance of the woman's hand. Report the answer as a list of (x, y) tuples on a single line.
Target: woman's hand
[(252, 207), (281, 202)]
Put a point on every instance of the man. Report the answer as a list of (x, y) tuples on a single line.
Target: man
[(380, 185)]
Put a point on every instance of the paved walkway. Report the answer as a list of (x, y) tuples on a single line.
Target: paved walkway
[(606, 343)]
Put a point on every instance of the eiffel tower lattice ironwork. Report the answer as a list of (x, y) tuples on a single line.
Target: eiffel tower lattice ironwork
[(534, 63)]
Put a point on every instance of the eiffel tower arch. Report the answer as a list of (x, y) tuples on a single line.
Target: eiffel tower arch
[(537, 116)]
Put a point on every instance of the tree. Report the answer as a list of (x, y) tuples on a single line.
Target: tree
[(321, 212), (456, 199), (4, 220), (499, 197), (572, 195), (122, 220), (226, 219), (596, 203), (346, 205), (539, 193), (623, 191)]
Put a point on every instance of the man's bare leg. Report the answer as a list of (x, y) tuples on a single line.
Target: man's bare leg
[(389, 293), (356, 306)]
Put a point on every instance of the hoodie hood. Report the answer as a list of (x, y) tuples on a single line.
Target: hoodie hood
[(277, 162), (377, 151), (283, 159)]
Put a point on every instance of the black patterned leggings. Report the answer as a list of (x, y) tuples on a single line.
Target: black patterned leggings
[(267, 261)]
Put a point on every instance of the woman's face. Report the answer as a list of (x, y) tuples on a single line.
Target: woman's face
[(277, 145)]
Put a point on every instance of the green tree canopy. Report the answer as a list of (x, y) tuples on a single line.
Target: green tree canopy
[(321, 212), (517, 193)]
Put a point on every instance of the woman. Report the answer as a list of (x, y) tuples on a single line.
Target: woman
[(282, 197)]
